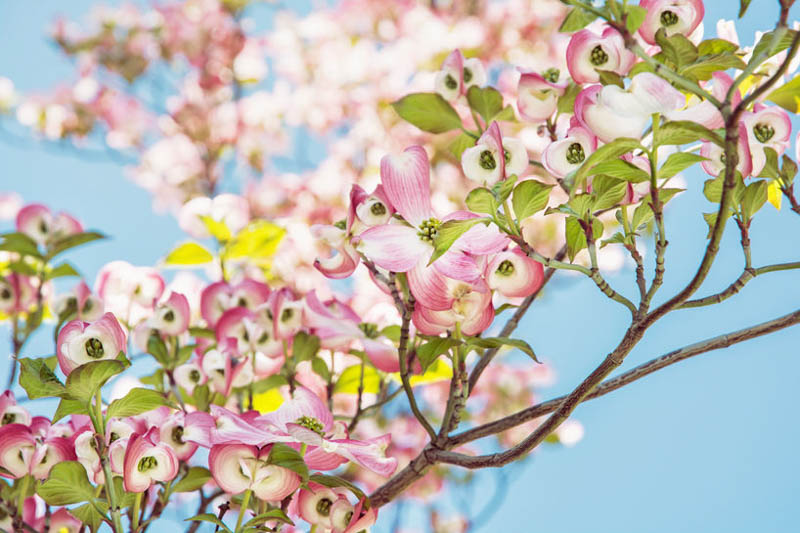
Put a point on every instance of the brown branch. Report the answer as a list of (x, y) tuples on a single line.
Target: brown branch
[(610, 385)]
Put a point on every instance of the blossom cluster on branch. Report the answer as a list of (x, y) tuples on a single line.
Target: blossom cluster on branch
[(348, 319)]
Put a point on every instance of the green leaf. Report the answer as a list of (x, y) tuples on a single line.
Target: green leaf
[(576, 19), (576, 238), (157, 348), (530, 197), (770, 169), (617, 238), (608, 191), (481, 200), (608, 77), (710, 47), (202, 332), (19, 243), (788, 95), (274, 514), (217, 228), (678, 162), (330, 481), (486, 101), (619, 168), (283, 455), (684, 132), (704, 68), (608, 151), (506, 115), (392, 332), (38, 379), (136, 402), (304, 346), (66, 484), (351, 378), (87, 514), (642, 214), (743, 5), (429, 351), (636, 16), (449, 232), (268, 383), (189, 253), (428, 111), (71, 241), (208, 517), (711, 220), (502, 189), (499, 342), (566, 102), (754, 198), (60, 271), (581, 204), (185, 353), (259, 240), (85, 380), (459, 144), (320, 368), (789, 170), (68, 407), (21, 267), (195, 478), (679, 50), (765, 44)]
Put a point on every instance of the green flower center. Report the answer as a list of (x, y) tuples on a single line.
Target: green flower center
[(668, 18), (309, 422), (147, 463), (177, 434), (429, 229), (551, 75), (94, 348), (194, 376), (467, 75), (169, 316), (241, 303), (370, 330), (575, 154), (599, 56), (287, 314), (505, 268), (487, 160), (324, 506), (341, 224), (377, 209), (263, 338), (8, 418), (763, 132), (450, 82), (5, 294)]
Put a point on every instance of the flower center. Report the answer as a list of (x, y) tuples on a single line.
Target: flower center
[(241, 303), (8, 418), (377, 209), (309, 422), (467, 75), (263, 338), (450, 82), (599, 56), (194, 376), (668, 18), (94, 348), (324, 506), (370, 330), (763, 132), (505, 268), (551, 75), (177, 434), (487, 160), (575, 154), (169, 316), (147, 463), (5, 294), (287, 314), (429, 229)]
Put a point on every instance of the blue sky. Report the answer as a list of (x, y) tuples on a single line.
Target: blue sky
[(707, 445)]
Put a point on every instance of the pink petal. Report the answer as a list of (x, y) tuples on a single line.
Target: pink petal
[(406, 181), (395, 247)]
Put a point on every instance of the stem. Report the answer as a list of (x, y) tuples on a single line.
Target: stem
[(243, 509), (137, 504)]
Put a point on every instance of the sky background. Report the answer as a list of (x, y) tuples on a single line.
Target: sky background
[(707, 445)]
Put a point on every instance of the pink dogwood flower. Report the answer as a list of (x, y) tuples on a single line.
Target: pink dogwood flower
[(458, 75), (513, 274), (10, 412), (589, 52), (767, 127), (675, 16), (83, 342), (79, 303), (221, 296), (494, 157), (171, 317), (239, 467), (148, 460), (40, 224), (537, 96), (22, 452), (568, 154)]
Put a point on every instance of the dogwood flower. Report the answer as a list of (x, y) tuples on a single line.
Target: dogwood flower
[(568, 154), (83, 342), (675, 16), (171, 317), (22, 452), (10, 412), (239, 467), (767, 127), (715, 155), (220, 296), (588, 52), (78, 303), (458, 75), (494, 157), (40, 224), (537, 95), (148, 460), (513, 274)]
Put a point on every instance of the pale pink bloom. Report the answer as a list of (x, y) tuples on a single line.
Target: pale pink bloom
[(568, 154), (589, 52), (128, 291), (315, 504), (17, 293), (220, 296), (513, 274), (229, 209), (79, 303), (239, 467), (675, 16), (171, 432), (83, 342), (10, 203), (22, 453), (494, 157), (40, 224), (147, 461), (715, 154), (458, 75), (343, 259), (537, 97), (704, 112), (10, 412), (469, 305), (172, 316), (767, 127), (62, 521)]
